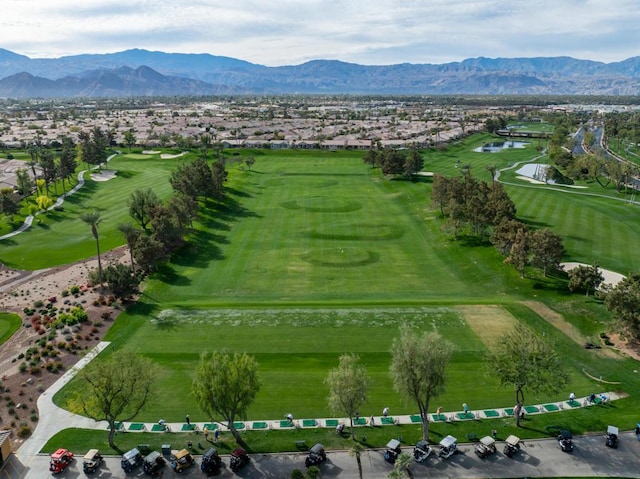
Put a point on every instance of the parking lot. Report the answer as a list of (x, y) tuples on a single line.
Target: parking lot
[(540, 458)]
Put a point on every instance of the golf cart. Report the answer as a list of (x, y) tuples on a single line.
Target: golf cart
[(393, 451), (485, 447), (612, 437), (131, 460), (565, 441), (421, 451), (211, 461), (181, 460), (153, 462), (91, 461), (511, 445), (60, 460), (448, 447), (316, 455), (239, 458)]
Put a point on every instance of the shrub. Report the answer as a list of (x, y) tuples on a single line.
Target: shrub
[(35, 369), (22, 367), (24, 431), (38, 303), (65, 293)]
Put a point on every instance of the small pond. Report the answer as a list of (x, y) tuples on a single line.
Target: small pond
[(497, 146)]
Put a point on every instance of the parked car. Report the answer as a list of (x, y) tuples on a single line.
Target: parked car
[(316, 455), (421, 451), (239, 458), (211, 461), (565, 441), (131, 460), (153, 462), (612, 437), (393, 451), (60, 460), (448, 447), (91, 461), (485, 447), (511, 445), (181, 460)]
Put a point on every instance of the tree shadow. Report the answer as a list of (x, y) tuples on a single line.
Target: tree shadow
[(168, 274)]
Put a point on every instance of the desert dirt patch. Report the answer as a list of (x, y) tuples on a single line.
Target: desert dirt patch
[(557, 321), (488, 322), (20, 289)]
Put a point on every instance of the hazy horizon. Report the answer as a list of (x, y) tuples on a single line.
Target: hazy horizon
[(288, 32)]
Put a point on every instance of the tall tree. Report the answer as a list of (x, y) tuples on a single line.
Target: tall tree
[(520, 252), (121, 281), (356, 451), (48, 166), (93, 219), (131, 234), (218, 177), (9, 202), (504, 234), (225, 386), (166, 228), (24, 183), (624, 302), (413, 162), (130, 138), (67, 164), (116, 389), (141, 204), (348, 386), (417, 369), (586, 278), (524, 360), (546, 249), (148, 252), (402, 467)]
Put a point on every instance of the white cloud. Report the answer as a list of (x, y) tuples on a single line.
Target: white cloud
[(289, 32)]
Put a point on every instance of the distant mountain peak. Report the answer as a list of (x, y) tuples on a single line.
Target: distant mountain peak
[(143, 72)]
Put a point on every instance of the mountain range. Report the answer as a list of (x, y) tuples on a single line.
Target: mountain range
[(148, 73)]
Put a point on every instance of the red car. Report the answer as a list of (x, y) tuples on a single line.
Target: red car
[(60, 460)]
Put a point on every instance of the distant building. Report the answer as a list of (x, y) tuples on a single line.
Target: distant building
[(5, 447)]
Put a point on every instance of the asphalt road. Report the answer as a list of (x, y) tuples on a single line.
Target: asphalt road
[(540, 458)]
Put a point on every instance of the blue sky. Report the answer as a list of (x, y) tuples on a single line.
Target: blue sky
[(372, 32)]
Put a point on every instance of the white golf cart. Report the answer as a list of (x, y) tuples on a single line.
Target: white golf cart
[(448, 447)]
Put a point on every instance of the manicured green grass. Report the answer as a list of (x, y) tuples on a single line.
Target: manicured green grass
[(313, 254), (532, 126), (579, 421), (9, 324), (72, 238)]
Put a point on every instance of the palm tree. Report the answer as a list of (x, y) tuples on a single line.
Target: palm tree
[(402, 466), (355, 451), (93, 219), (130, 234)]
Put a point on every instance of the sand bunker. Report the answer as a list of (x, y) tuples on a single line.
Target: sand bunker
[(530, 180), (150, 152), (610, 277), (166, 156), (103, 175)]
